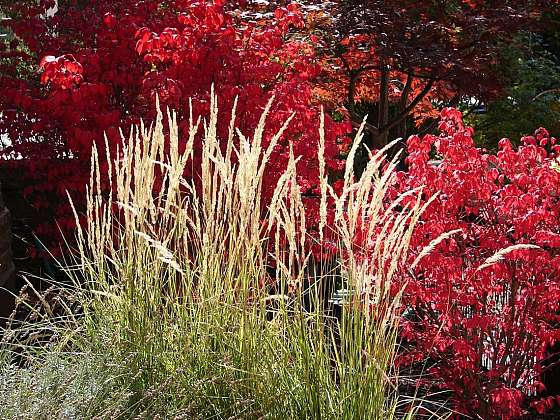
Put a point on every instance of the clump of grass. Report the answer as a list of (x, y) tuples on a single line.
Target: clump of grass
[(62, 386), (173, 276)]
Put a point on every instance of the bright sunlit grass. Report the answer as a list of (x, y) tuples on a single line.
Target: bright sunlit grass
[(177, 318)]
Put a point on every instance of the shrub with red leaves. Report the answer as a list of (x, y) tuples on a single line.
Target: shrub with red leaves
[(62, 72), (102, 64), (486, 300)]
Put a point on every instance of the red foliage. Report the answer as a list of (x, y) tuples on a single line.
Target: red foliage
[(63, 72), (486, 322), (405, 56), (487, 327), (103, 63)]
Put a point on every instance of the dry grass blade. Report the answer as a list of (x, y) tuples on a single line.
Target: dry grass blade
[(432, 245), (500, 255)]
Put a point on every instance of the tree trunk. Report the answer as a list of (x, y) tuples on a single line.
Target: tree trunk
[(401, 128), (400, 147), (383, 115)]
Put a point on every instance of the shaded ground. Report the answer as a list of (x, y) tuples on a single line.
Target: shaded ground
[(24, 219)]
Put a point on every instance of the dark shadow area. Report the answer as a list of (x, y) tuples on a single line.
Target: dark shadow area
[(25, 252)]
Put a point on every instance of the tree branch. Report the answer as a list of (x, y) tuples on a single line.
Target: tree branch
[(405, 92), (355, 119), (405, 112), (546, 92)]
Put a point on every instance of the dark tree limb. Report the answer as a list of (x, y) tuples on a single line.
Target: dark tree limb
[(405, 112)]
